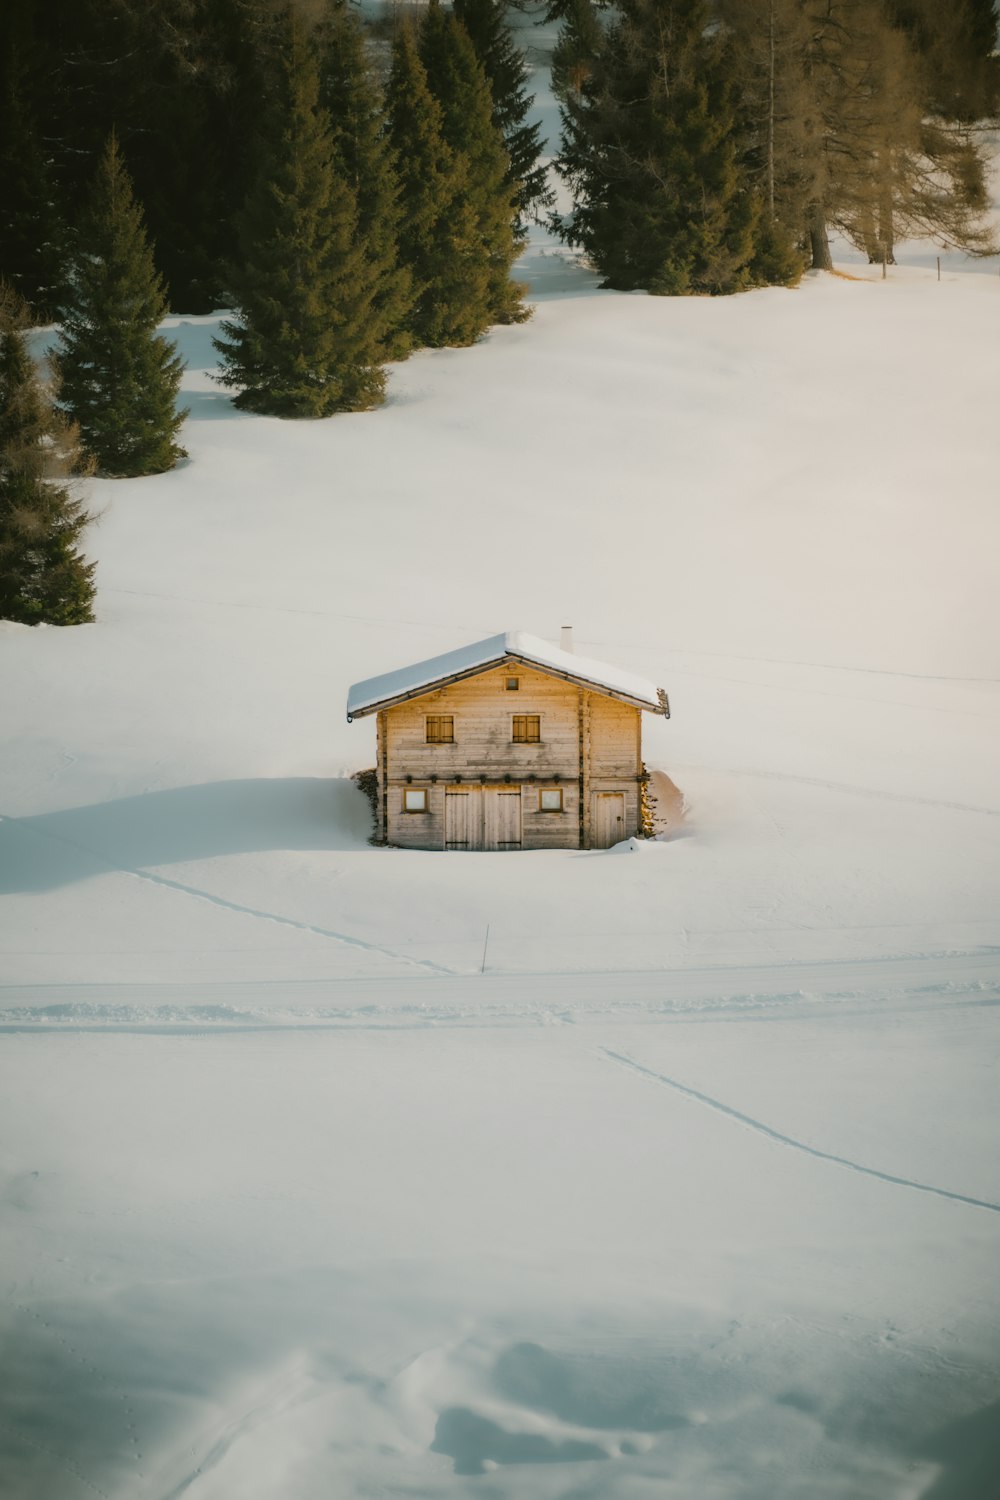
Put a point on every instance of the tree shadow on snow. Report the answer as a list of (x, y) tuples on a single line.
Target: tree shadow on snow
[(183, 824), (589, 1394), (553, 272), (473, 1442), (969, 1452), (211, 406)]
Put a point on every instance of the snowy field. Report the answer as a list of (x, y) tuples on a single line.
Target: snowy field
[(664, 1171)]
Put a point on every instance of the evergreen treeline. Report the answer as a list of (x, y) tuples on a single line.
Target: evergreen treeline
[(180, 82), (346, 218), (192, 90), (713, 144), (729, 135)]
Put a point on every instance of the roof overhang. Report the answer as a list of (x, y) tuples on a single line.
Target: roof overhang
[(393, 688)]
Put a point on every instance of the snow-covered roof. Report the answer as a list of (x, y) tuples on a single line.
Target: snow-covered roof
[(467, 661)]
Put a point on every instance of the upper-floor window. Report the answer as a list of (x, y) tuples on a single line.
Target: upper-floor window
[(527, 729), (512, 684), (440, 729)]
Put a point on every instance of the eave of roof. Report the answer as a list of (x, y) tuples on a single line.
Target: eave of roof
[(481, 656)]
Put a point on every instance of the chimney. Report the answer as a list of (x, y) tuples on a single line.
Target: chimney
[(566, 639)]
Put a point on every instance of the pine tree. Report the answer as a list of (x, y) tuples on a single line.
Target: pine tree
[(649, 151), (43, 577), (308, 338), (439, 238), (363, 157), (581, 37), (119, 378), (506, 72), (456, 79)]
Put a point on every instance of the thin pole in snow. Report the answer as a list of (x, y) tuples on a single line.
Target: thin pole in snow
[(485, 946), (939, 267)]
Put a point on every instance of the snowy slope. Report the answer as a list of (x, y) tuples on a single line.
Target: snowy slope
[(668, 1170), (803, 555)]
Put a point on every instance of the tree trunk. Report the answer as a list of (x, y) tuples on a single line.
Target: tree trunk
[(770, 112), (886, 231), (822, 260)]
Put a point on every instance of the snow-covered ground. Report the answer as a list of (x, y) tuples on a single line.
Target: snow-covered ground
[(669, 1170)]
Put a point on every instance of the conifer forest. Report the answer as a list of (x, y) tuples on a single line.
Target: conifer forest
[(353, 186)]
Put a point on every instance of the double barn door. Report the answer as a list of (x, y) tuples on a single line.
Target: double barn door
[(482, 817)]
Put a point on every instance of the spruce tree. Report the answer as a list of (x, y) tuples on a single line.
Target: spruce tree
[(581, 37), (118, 377), (439, 240), (506, 72), (457, 80), (43, 577), (650, 153), (364, 158), (307, 339)]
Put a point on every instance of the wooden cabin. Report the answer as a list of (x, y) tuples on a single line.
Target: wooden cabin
[(509, 743)]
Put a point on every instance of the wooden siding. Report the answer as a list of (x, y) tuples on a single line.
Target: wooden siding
[(613, 738), (589, 743)]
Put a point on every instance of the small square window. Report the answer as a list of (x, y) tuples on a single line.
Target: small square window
[(550, 799), (414, 799), (440, 729), (527, 729), (512, 684)]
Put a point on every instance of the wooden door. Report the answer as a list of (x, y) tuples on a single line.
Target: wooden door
[(463, 818), (482, 817), (501, 818), (607, 819)]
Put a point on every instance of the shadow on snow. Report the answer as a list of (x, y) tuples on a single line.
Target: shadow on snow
[(185, 823)]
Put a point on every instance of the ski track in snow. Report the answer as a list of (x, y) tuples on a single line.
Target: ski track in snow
[(282, 1394), (787, 1140), (761, 994), (424, 964)]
